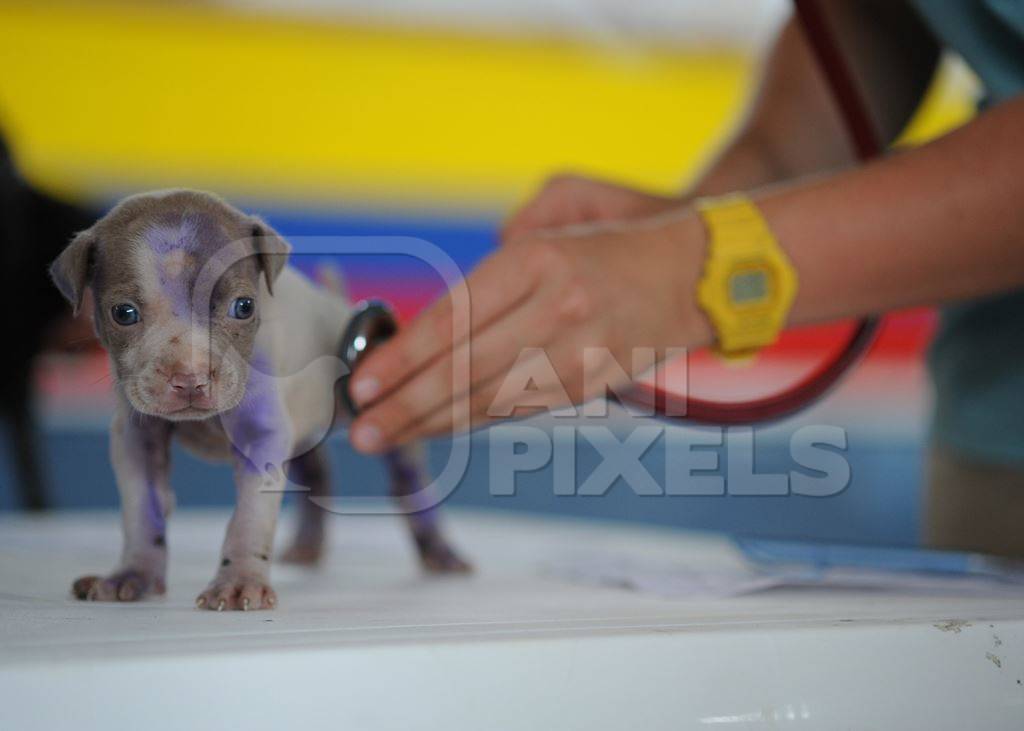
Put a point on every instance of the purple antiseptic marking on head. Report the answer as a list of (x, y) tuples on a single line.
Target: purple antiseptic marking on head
[(258, 427), (179, 243), (174, 235), (179, 291)]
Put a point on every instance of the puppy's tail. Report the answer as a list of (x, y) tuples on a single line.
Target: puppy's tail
[(330, 278)]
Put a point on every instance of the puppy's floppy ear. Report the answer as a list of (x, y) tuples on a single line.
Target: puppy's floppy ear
[(72, 270), (271, 251)]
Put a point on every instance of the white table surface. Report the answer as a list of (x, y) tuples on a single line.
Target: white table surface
[(367, 642)]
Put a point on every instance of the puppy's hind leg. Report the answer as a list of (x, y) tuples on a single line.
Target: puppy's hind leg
[(309, 470), (407, 468)]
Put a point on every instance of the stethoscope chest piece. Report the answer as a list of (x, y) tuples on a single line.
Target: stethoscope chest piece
[(372, 323)]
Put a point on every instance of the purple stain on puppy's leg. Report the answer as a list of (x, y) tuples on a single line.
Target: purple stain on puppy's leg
[(420, 505), (417, 501), (154, 512)]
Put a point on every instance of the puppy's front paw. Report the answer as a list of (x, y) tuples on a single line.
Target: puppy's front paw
[(237, 592), (125, 585)]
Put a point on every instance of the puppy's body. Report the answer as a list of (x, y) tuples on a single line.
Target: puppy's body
[(213, 340), (298, 342)]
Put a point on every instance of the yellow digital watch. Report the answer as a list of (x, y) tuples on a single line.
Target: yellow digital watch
[(748, 284)]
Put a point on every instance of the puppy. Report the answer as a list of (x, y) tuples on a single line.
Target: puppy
[(214, 340)]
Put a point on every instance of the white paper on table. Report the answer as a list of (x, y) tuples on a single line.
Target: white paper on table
[(685, 581)]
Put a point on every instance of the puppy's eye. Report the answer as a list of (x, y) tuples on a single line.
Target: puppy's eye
[(242, 308), (125, 314)]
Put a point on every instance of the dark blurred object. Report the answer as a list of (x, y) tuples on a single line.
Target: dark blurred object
[(34, 227)]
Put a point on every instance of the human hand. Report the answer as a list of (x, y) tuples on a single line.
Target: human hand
[(536, 308), (565, 200)]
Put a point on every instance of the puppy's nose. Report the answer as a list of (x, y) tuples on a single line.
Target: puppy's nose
[(188, 384)]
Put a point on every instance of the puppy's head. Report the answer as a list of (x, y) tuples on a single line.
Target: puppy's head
[(177, 279)]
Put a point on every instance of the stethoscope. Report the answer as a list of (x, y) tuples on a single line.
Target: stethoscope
[(373, 322)]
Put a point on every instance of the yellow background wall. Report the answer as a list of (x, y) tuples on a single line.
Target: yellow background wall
[(101, 98)]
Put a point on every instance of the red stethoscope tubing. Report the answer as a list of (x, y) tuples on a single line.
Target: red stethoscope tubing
[(785, 403)]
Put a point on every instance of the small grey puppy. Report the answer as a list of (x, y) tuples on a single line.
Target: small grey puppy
[(214, 340)]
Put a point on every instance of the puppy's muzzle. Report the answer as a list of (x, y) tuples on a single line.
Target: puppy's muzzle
[(189, 389)]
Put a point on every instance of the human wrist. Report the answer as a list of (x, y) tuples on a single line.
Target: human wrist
[(687, 240), (748, 283)]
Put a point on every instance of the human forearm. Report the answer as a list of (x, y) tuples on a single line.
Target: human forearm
[(766, 147), (793, 128), (940, 223)]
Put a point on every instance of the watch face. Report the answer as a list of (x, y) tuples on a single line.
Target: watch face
[(748, 287)]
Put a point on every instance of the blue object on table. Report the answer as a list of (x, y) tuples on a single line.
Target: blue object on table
[(766, 552)]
